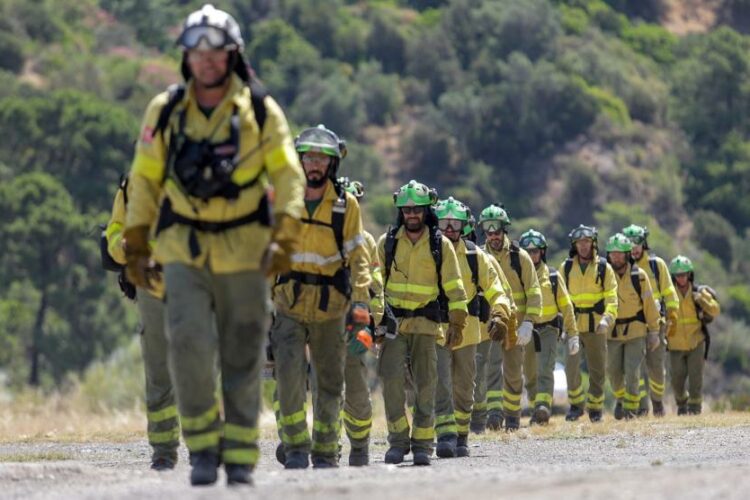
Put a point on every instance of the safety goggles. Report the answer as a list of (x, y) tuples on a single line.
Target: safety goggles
[(209, 37), (580, 233), (531, 243), (491, 226), (452, 224)]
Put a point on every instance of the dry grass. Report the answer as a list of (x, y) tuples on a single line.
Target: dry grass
[(43, 456)]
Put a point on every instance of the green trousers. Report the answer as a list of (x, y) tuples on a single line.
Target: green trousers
[(327, 358), (594, 347), (624, 360), (454, 396), (513, 380), (545, 367), (530, 370), (479, 410), (687, 366), (227, 314), (357, 413), (161, 409), (421, 351), (494, 367), (653, 373)]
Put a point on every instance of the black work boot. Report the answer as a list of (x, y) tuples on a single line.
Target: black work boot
[(658, 408), (477, 427), (495, 422), (296, 460), (631, 414), (205, 468), (595, 416), (238, 474), (319, 462), (359, 457), (163, 463), (619, 412), (642, 412), (512, 423), (462, 445), (395, 455), (694, 409), (446, 446), (280, 454), (541, 415), (421, 457), (682, 409), (574, 413)]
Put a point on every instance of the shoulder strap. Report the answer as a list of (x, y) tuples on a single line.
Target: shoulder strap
[(258, 95), (654, 265), (635, 278), (337, 222), (124, 186), (390, 252), (568, 266), (515, 261), (436, 248), (601, 271), (473, 260), (176, 94), (553, 277)]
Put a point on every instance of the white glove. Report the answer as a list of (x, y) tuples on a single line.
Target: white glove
[(574, 345), (604, 325), (653, 340), (525, 331)]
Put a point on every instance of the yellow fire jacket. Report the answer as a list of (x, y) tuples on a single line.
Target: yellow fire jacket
[(663, 289), (688, 334), (556, 304), (318, 254), (377, 301), (508, 291), (629, 305), (527, 295), (114, 232), (232, 250), (585, 292), (490, 284), (413, 281)]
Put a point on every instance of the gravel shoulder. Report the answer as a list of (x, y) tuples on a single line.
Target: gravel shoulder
[(656, 459)]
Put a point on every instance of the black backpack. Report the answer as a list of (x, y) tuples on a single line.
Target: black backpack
[(478, 306)]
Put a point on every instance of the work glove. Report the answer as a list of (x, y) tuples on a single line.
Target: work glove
[(653, 340), (497, 328), (574, 345), (604, 325), (277, 259), (454, 334), (359, 333), (525, 333), (512, 336), (140, 269)]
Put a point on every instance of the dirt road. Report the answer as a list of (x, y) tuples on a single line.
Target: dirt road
[(650, 459)]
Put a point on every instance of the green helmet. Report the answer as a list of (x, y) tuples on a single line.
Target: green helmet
[(414, 194), (320, 140), (637, 234), (619, 243), (452, 209), (532, 239), (494, 218), (582, 232), (355, 188), (680, 264)]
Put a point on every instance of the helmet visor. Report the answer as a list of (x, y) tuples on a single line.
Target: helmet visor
[(209, 37), (454, 224), (492, 226)]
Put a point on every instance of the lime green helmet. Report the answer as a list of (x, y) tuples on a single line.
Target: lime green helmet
[(452, 209), (320, 140), (494, 218), (414, 194), (680, 264), (619, 243), (532, 239), (637, 234), (355, 188)]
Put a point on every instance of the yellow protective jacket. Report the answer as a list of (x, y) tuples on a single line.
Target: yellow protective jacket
[(507, 290), (491, 286), (555, 304), (636, 315), (232, 250), (526, 292), (663, 290), (413, 281), (689, 334), (377, 301), (114, 232), (318, 254), (586, 292)]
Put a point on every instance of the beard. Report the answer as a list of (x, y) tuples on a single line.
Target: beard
[(316, 183), (413, 225), (496, 245)]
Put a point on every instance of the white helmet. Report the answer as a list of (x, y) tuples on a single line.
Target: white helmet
[(211, 28)]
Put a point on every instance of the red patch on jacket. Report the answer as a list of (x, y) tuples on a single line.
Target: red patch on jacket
[(148, 135)]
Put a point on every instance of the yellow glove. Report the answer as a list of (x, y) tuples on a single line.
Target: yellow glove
[(277, 258), (454, 335), (140, 269)]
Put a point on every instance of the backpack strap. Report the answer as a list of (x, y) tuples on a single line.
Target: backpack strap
[(567, 267), (390, 251), (472, 259), (124, 179), (258, 94), (176, 94), (601, 271), (436, 249), (515, 261), (337, 223), (635, 278), (654, 265), (553, 279)]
